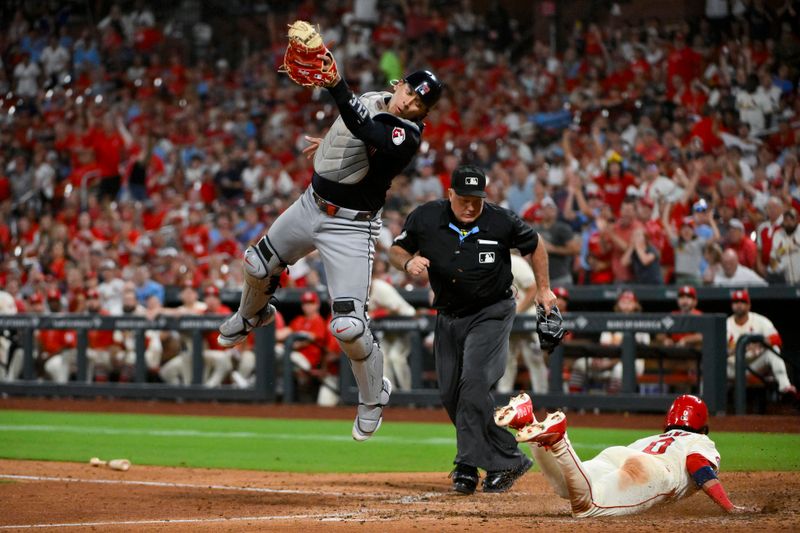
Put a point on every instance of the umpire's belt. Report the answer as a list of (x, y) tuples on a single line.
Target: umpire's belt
[(343, 212)]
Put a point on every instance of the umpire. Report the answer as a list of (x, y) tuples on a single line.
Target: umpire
[(464, 244)]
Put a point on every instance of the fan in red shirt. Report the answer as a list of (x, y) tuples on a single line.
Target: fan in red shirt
[(682, 61), (154, 214), (648, 146), (226, 241), (784, 138), (5, 188), (594, 41), (737, 240), (108, 146), (620, 235), (614, 182), (708, 130), (694, 98), (195, 237), (599, 258), (657, 236), (387, 32)]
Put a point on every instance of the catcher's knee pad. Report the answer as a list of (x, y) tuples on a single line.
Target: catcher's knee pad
[(349, 327), (262, 276), (261, 261)]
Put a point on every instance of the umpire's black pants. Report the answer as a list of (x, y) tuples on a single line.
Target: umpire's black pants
[(471, 354)]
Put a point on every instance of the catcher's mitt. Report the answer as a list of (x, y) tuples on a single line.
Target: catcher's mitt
[(307, 60), (549, 327)]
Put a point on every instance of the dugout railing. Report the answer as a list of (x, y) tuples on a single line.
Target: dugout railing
[(24, 327), (712, 363), (742, 367), (712, 376)]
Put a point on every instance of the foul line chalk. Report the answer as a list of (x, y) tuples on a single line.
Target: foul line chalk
[(186, 486), (325, 517)]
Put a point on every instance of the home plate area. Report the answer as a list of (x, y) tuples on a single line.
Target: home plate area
[(54, 496)]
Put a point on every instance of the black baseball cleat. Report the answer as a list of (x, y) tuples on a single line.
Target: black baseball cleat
[(465, 479), (503, 480)]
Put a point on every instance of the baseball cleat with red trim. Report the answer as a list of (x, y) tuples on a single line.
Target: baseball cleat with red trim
[(545, 433), (517, 414)]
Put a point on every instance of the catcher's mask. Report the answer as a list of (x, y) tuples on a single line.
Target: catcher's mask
[(426, 85), (687, 412)]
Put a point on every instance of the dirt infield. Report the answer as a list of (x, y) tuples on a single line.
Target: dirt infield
[(53, 496), (69, 496)]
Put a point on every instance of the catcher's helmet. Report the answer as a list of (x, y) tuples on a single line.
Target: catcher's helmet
[(426, 85), (687, 412)]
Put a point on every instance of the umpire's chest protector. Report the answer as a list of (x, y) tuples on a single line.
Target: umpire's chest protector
[(341, 156)]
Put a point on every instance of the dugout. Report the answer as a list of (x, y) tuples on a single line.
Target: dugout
[(586, 316)]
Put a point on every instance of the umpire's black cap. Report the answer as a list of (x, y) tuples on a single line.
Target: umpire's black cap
[(426, 85), (469, 180)]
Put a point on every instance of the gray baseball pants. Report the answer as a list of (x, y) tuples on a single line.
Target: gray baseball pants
[(347, 247), (347, 250)]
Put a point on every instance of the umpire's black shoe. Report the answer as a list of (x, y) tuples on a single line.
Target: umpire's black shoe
[(503, 480), (465, 478)]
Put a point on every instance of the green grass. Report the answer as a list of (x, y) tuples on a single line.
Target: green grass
[(306, 445)]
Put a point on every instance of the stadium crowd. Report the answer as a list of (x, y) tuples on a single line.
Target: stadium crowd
[(132, 157)]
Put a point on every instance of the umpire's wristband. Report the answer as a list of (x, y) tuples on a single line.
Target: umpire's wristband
[(405, 266)]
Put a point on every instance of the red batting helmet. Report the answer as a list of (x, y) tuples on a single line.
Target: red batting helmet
[(687, 412)]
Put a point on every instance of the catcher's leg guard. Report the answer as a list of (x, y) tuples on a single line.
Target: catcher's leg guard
[(262, 274), (349, 326)]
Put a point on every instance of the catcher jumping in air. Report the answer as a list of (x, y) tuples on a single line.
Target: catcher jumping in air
[(373, 140), (625, 479)]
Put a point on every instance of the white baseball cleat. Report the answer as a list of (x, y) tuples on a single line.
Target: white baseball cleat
[(236, 328), (369, 417), (517, 414), (545, 433)]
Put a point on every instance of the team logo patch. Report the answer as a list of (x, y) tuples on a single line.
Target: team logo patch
[(398, 136), (486, 257), (423, 88), (471, 181)]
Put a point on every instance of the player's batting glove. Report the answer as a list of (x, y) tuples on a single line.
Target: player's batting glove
[(549, 327), (307, 61)]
